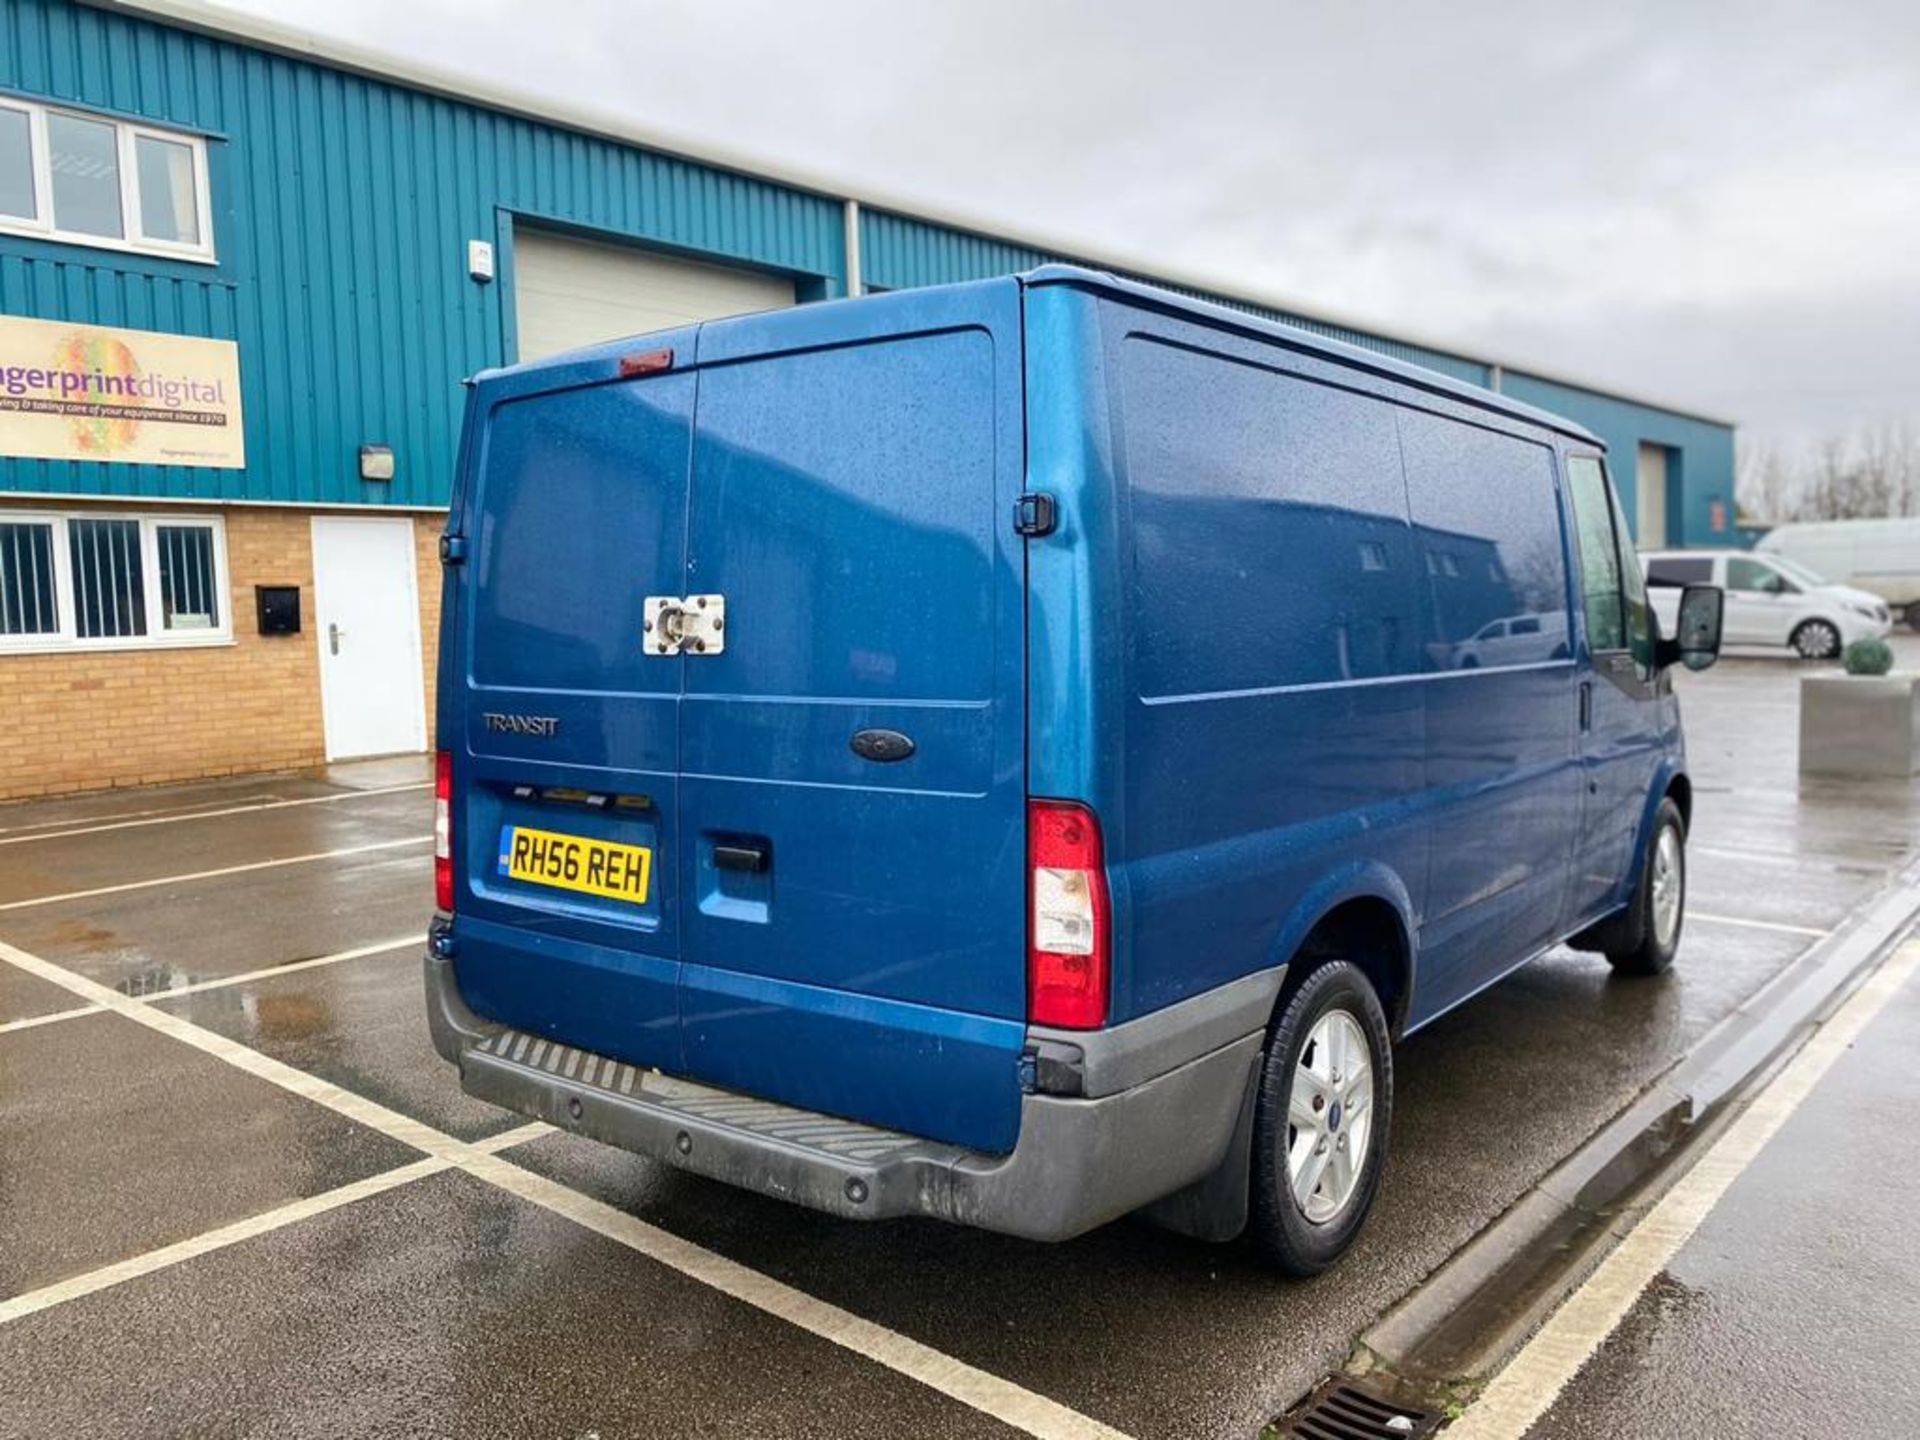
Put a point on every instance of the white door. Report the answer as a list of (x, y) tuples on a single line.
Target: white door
[(366, 605), (1650, 504), (569, 293), (1762, 605)]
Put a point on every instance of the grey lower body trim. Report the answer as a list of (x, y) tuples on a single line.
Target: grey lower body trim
[(1109, 1061), (1079, 1162)]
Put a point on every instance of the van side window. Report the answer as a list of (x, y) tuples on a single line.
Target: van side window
[(1270, 537), (1484, 512), (1675, 572), (1600, 587)]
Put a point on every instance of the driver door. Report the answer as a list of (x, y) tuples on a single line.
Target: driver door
[(1760, 603), (1620, 739)]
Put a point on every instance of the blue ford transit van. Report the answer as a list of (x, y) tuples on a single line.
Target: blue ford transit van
[(1022, 752)]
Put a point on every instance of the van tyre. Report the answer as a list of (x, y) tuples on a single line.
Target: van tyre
[(1321, 1120), (1816, 640), (1649, 933)]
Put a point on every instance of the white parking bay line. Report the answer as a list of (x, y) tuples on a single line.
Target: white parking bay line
[(221, 982), (992, 1395), (19, 1307), (1774, 925), (32, 1020), (1527, 1388), (214, 874), (292, 967), (1011, 1404), (175, 817), (33, 1301)]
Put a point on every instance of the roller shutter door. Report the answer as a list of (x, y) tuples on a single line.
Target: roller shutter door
[(572, 292)]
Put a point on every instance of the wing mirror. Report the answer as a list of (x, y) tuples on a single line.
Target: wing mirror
[(1696, 644)]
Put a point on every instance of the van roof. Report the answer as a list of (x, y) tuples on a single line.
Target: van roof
[(1134, 292), (1298, 339)]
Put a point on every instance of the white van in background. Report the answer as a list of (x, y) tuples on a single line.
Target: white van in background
[(1882, 556), (1770, 600)]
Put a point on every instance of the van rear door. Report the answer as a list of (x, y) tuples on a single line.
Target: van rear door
[(852, 789), (566, 905)]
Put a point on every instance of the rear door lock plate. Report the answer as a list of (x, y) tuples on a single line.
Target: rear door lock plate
[(690, 625)]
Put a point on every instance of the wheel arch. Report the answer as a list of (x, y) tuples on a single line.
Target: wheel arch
[(1363, 915), (1679, 789), (1818, 617)]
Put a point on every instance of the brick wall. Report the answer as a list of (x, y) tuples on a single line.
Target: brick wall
[(93, 720)]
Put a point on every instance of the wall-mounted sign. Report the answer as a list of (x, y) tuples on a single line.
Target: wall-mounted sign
[(87, 392)]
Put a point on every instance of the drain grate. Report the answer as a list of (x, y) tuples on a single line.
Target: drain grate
[(1341, 1411)]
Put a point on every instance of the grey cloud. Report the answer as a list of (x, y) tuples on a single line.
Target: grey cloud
[(1712, 201)]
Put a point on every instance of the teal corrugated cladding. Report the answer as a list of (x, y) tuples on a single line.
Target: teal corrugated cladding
[(342, 207), (898, 252), (1699, 470)]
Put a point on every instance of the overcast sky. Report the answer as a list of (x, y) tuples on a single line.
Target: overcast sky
[(1717, 203)]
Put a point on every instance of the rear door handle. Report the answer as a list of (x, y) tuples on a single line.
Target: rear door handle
[(749, 858), (1586, 705), (334, 632)]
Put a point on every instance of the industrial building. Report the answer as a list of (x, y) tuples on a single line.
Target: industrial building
[(243, 272)]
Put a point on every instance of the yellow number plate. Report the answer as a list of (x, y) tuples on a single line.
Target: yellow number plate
[(572, 862)]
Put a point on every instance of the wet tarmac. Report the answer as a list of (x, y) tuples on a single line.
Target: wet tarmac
[(1791, 1313), (448, 1304)]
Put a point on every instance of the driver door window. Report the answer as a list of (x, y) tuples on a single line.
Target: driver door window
[(1601, 591), (1756, 577)]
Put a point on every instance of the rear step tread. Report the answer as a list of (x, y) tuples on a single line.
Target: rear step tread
[(807, 1129)]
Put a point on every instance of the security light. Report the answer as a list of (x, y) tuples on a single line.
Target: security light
[(376, 462)]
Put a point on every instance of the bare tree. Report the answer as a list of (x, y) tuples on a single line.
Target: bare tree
[(1763, 486), (1890, 463), (1873, 472)]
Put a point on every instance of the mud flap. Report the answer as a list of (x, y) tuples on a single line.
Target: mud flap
[(1214, 1207)]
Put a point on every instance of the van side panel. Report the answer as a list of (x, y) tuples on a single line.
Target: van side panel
[(1273, 730), (1503, 770)]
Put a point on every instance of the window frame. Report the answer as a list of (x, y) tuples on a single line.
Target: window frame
[(1620, 557), (66, 639), (1635, 603), (133, 238)]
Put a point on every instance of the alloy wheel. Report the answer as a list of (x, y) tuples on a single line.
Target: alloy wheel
[(1817, 640), (1669, 886), (1330, 1116)]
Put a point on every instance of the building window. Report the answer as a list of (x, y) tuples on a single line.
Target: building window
[(108, 586), (65, 175), (90, 581), (189, 581), (26, 580)]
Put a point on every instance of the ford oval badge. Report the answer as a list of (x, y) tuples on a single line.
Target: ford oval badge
[(885, 746)]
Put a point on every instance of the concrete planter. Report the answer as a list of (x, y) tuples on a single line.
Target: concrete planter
[(1860, 725)]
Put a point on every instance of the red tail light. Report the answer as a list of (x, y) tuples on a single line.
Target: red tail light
[(1068, 924), (443, 831)]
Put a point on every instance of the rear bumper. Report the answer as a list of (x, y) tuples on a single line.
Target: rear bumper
[(1079, 1161)]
